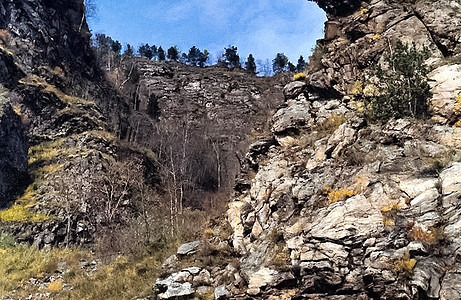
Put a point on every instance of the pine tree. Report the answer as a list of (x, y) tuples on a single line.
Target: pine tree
[(116, 47), (128, 50), (250, 65), (280, 63), (231, 57), (301, 66), (154, 52), (146, 51), (161, 54), (173, 53), (203, 57), (194, 56)]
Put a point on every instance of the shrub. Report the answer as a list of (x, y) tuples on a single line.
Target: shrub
[(300, 76), (55, 286), (340, 195), (21, 213), (404, 265), (400, 89), (428, 236), (6, 241)]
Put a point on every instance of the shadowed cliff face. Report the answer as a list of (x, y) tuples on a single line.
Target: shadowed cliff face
[(47, 32), (57, 111), (13, 152)]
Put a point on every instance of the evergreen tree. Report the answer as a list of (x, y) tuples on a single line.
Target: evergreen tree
[(280, 63), (146, 51), (128, 50), (203, 57), (116, 47), (401, 89), (103, 42), (173, 53), (301, 66), (154, 52), (161, 54), (291, 67), (231, 57), (250, 65), (194, 56)]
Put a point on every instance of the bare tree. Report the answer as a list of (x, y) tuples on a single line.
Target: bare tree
[(90, 11)]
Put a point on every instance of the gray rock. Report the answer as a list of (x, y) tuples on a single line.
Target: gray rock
[(189, 248), (292, 117), (294, 89), (176, 290), (170, 263), (451, 284), (204, 277), (221, 292)]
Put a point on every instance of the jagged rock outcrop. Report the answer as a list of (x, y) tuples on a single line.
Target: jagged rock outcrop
[(357, 33), (350, 211)]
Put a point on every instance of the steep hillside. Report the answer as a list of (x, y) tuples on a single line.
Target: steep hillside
[(57, 112), (339, 207), (209, 112)]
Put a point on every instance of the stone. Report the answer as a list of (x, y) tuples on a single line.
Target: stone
[(171, 263), (188, 248), (291, 118), (414, 187), (176, 290), (263, 277), (294, 89), (203, 290), (451, 284), (341, 138), (192, 270), (221, 292), (427, 275), (451, 179), (353, 218), (234, 219), (203, 278)]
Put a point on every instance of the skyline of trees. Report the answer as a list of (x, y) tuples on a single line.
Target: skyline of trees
[(229, 57)]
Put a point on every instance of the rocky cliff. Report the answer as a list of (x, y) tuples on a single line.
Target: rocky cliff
[(57, 112), (13, 151), (338, 207), (212, 108), (358, 32)]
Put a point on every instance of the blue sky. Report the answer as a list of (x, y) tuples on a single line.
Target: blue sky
[(260, 27)]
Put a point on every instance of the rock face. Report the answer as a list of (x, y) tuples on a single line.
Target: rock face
[(338, 208), (214, 107), (54, 122), (13, 152), (358, 32), (351, 210), (47, 32)]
